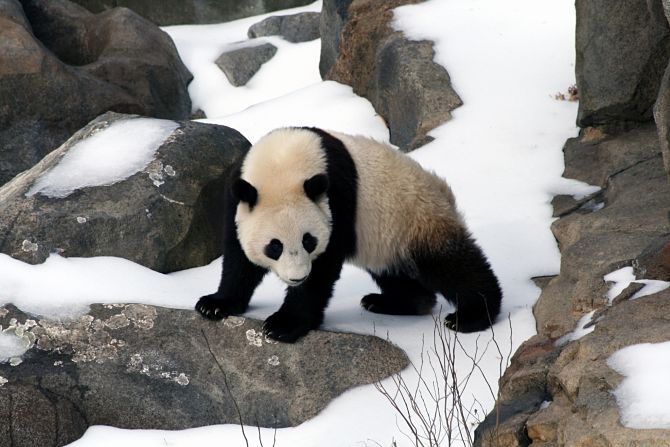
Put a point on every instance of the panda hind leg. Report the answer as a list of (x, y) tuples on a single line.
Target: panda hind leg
[(400, 295), (462, 274)]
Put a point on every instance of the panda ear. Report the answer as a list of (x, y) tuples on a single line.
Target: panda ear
[(316, 186), (245, 192)]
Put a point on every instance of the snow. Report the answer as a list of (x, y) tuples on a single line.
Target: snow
[(63, 288), (200, 45), (619, 280), (109, 156), (298, 108), (623, 277), (501, 153), (581, 329), (644, 393)]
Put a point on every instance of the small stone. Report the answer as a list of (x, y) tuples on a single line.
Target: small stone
[(242, 64)]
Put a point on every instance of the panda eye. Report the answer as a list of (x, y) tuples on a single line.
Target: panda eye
[(309, 242), (274, 249)]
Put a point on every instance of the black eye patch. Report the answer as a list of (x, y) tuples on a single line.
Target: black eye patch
[(309, 242), (274, 249)]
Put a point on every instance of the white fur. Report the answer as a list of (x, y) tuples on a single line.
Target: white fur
[(277, 166), (400, 207)]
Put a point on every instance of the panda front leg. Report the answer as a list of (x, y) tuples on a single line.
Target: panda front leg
[(239, 279), (304, 305)]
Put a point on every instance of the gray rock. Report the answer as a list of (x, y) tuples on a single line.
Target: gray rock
[(573, 379), (634, 205), (333, 18), (295, 28), (411, 92), (61, 66), (662, 118), (135, 366), (241, 65), (622, 51), (176, 12), (167, 216), (399, 77)]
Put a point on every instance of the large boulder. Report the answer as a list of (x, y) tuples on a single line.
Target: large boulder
[(175, 12), (622, 51), (61, 66), (662, 107), (135, 366), (573, 386), (558, 390), (608, 230), (163, 212), (398, 76)]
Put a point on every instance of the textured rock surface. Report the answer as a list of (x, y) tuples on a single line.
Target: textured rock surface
[(135, 366), (333, 17), (635, 203), (622, 51), (295, 28), (61, 66), (662, 118), (242, 64), (399, 77), (166, 216), (556, 394), (174, 12)]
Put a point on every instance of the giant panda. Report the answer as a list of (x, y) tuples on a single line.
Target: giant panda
[(304, 201)]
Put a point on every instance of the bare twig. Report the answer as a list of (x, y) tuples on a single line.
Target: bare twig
[(433, 410), (225, 382)]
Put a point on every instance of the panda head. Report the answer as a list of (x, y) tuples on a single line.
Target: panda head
[(283, 217)]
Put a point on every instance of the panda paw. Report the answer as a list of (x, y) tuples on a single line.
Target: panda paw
[(213, 307), (456, 324), (286, 327)]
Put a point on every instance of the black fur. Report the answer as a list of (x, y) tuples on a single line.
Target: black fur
[(240, 277), (316, 186), (243, 191), (401, 295), (463, 275), (304, 305)]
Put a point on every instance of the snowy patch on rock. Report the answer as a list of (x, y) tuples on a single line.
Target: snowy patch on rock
[(644, 393), (619, 279), (623, 277), (584, 326), (106, 157)]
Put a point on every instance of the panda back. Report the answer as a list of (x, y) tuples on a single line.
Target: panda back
[(401, 208)]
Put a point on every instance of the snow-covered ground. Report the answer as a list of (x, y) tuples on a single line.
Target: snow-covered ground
[(501, 153)]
